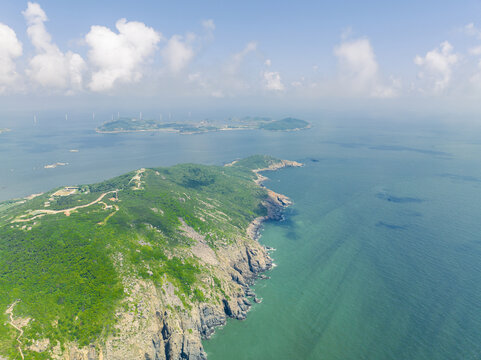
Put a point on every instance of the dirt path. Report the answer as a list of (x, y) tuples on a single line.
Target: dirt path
[(109, 216), (9, 312), (67, 212), (137, 179)]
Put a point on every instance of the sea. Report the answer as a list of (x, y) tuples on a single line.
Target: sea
[(378, 258)]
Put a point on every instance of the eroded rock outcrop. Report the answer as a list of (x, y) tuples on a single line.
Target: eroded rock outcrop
[(155, 322)]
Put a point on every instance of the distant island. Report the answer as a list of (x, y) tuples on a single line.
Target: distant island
[(245, 123), (141, 266)]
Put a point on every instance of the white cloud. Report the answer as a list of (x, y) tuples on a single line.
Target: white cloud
[(50, 67), (118, 57), (10, 49), (475, 50), (178, 52), (250, 47), (436, 66), (359, 71), (268, 62), (208, 25), (471, 30), (272, 81)]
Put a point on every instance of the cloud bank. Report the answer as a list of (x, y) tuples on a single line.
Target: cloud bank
[(10, 49), (50, 67), (119, 57), (359, 71), (178, 52), (437, 66), (116, 60)]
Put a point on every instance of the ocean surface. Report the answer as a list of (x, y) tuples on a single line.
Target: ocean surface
[(378, 258)]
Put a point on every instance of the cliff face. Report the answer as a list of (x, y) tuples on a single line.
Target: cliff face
[(163, 329), (177, 294)]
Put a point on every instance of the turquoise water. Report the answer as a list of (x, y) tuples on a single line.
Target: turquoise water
[(362, 277), (378, 258)]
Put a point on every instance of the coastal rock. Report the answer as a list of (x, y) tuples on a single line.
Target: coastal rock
[(249, 292), (157, 323), (211, 318), (163, 334)]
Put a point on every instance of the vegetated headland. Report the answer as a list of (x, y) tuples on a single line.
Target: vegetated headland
[(141, 266)]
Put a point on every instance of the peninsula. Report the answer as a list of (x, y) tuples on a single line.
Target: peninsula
[(246, 123), (141, 266)]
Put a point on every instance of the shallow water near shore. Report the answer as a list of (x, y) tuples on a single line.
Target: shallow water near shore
[(378, 258)]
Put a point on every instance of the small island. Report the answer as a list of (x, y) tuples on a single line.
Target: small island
[(141, 266), (54, 165), (245, 123)]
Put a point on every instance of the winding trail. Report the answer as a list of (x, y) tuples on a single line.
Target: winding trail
[(110, 215), (9, 312), (40, 213)]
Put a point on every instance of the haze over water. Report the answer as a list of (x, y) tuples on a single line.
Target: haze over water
[(378, 258)]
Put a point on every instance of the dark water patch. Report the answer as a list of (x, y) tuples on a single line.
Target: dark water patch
[(460, 177), (388, 148), (390, 226), (398, 199), (406, 148), (287, 217), (312, 160), (286, 222), (348, 145)]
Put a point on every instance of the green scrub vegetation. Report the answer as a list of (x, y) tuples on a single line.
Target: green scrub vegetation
[(246, 123), (65, 266), (285, 125)]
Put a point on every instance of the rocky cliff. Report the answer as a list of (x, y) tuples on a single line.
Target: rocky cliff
[(154, 319)]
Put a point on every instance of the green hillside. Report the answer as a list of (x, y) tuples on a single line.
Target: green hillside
[(285, 125), (65, 255), (245, 123)]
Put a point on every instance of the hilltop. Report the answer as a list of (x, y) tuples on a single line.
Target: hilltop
[(141, 266)]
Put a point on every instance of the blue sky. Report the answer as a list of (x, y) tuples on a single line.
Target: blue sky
[(234, 50)]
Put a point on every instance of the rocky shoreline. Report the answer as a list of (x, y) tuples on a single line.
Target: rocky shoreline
[(246, 265), (157, 325)]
